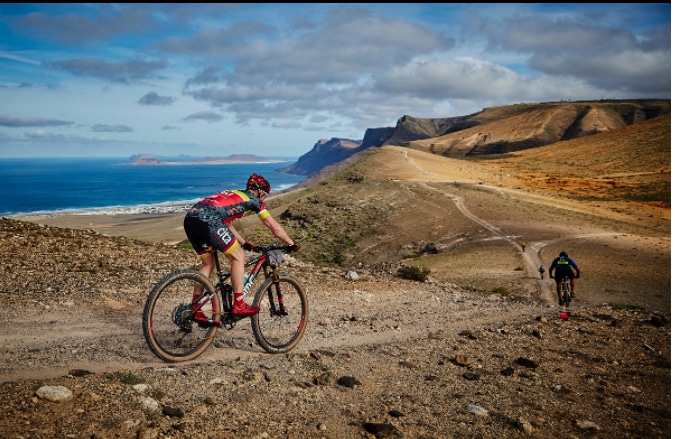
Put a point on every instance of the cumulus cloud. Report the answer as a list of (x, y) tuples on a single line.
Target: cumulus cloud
[(207, 116), (448, 79), (123, 72), (74, 28), (609, 58), (22, 121), (102, 128), (153, 98), (51, 137)]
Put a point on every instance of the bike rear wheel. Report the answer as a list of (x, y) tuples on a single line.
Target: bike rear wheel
[(566, 292), (168, 324), (278, 328)]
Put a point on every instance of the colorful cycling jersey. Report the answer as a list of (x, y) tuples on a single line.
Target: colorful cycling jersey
[(226, 206), (562, 263)]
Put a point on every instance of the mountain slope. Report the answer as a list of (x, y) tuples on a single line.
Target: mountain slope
[(494, 130), (525, 126), (631, 164)]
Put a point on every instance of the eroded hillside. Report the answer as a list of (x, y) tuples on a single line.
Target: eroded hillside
[(519, 127), (494, 130)]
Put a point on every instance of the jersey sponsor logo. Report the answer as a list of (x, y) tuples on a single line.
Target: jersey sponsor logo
[(223, 235)]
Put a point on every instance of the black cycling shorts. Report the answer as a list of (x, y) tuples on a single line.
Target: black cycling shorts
[(204, 237), (560, 274)]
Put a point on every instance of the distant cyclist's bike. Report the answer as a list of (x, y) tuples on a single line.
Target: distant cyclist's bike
[(566, 293), (173, 334)]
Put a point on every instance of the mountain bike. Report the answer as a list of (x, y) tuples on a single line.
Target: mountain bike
[(566, 294), (173, 334)]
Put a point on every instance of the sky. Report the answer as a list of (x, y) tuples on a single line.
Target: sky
[(117, 79)]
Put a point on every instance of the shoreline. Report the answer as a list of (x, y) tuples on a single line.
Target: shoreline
[(157, 223), (157, 209)]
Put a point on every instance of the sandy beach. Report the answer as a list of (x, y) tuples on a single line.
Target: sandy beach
[(162, 227)]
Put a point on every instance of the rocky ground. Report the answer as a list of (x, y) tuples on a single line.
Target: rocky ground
[(479, 350), (382, 357)]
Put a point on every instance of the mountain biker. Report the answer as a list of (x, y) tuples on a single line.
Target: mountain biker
[(208, 226), (564, 266)]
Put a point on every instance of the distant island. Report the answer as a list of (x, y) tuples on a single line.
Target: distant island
[(151, 160)]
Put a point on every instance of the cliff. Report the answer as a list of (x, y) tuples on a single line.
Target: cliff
[(495, 130)]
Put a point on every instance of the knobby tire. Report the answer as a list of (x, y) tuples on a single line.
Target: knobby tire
[(274, 332), (167, 324), (566, 293)]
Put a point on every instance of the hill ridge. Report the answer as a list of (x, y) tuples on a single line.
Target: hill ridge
[(494, 130)]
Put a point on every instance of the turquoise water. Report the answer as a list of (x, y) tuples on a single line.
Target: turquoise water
[(66, 185)]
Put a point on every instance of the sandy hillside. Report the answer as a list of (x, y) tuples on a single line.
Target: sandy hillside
[(479, 350)]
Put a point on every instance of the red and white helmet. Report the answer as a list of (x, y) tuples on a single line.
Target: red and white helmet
[(256, 181)]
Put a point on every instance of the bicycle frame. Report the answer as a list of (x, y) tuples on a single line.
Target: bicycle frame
[(262, 261)]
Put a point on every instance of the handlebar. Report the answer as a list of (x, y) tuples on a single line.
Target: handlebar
[(272, 246)]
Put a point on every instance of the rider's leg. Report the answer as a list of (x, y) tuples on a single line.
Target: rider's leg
[(199, 236), (237, 258), (558, 287), (208, 265)]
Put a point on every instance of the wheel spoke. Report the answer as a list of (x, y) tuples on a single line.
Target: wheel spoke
[(276, 330), (168, 322)]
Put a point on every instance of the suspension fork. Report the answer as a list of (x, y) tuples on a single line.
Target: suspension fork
[(280, 298)]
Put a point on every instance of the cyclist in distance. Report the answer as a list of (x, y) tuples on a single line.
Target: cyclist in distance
[(563, 266), (208, 226)]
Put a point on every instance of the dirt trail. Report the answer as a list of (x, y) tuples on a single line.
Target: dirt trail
[(531, 256), (102, 339)]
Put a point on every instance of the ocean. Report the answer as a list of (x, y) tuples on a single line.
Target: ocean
[(107, 185)]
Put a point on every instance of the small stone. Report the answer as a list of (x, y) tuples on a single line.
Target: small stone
[(348, 381), (325, 379), (55, 393), (462, 360), (587, 425), (381, 431), (526, 362), (524, 425), (476, 410), (471, 376), (173, 412), (79, 372), (396, 414)]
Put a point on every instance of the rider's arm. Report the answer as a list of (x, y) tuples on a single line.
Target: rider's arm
[(277, 230)]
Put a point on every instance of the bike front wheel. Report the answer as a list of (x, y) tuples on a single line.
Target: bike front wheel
[(168, 317), (282, 319)]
